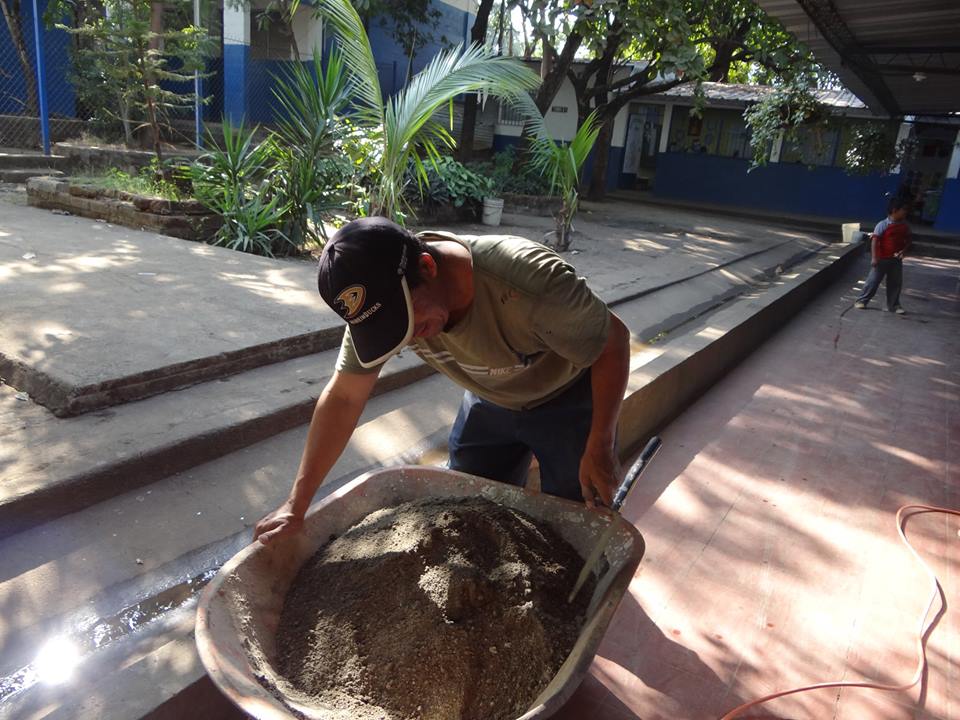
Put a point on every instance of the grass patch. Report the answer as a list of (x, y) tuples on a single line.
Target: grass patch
[(144, 183)]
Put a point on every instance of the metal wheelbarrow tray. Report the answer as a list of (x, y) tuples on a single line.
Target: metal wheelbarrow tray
[(240, 608)]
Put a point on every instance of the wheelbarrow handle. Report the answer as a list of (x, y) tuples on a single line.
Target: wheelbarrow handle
[(634, 472)]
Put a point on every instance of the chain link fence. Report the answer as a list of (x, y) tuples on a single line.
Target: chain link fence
[(36, 99), (65, 94)]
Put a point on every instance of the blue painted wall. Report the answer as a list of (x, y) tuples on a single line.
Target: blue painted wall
[(452, 29), (823, 191), (948, 217), (61, 99)]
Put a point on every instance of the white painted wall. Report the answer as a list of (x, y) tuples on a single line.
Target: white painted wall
[(563, 126), (469, 6), (236, 25), (308, 31)]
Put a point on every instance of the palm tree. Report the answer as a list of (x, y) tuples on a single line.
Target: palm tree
[(562, 163), (404, 125)]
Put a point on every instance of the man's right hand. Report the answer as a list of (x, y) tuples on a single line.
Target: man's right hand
[(282, 522)]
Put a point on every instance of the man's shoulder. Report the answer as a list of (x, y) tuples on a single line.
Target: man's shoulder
[(524, 264)]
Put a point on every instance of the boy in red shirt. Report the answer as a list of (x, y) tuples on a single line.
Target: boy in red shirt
[(888, 243)]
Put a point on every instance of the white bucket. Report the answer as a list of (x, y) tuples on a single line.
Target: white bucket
[(492, 211), (851, 232)]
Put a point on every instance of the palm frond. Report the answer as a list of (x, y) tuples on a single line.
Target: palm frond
[(358, 56)]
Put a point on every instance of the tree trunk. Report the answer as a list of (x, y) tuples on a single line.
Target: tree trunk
[(601, 157), (558, 71), (721, 63), (11, 13), (478, 34)]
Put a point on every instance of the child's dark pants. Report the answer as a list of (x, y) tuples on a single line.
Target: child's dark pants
[(892, 270)]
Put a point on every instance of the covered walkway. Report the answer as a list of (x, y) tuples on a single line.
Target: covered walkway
[(772, 554)]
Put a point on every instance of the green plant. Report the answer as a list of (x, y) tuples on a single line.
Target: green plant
[(451, 182), (145, 182), (233, 180), (508, 176), (120, 60), (561, 164), (309, 179), (404, 127), (872, 148), (783, 113)]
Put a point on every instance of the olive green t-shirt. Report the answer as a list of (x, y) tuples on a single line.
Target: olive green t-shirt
[(532, 329)]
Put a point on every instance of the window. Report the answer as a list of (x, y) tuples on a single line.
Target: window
[(270, 37)]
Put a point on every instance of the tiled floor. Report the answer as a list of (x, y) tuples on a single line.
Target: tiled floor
[(772, 554)]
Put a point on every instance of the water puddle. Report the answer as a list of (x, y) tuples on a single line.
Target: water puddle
[(59, 656)]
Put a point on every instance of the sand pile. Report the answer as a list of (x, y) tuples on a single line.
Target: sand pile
[(435, 609)]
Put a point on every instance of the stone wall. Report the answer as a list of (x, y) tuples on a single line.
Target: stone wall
[(188, 219)]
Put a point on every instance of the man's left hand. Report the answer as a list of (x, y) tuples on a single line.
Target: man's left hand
[(599, 475)]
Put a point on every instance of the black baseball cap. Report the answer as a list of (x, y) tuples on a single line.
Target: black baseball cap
[(362, 276)]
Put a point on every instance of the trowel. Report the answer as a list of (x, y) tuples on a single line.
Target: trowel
[(629, 479)]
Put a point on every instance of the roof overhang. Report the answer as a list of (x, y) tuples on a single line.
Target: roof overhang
[(901, 57)]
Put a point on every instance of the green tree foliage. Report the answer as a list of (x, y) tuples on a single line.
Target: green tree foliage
[(404, 128), (667, 42), (122, 60)]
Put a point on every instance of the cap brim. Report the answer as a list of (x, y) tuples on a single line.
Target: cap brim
[(387, 331)]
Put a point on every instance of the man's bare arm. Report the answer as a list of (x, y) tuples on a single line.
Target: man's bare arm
[(599, 472), (335, 417)]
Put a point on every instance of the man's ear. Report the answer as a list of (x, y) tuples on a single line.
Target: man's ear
[(428, 266)]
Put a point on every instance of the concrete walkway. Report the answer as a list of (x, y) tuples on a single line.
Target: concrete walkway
[(772, 554), (96, 315)]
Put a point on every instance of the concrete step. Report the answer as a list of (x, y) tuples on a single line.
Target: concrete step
[(20, 175), (76, 462), (10, 159), (119, 563)]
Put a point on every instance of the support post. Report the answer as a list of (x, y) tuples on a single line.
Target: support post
[(953, 169), (41, 80), (777, 149), (665, 129), (236, 60), (902, 134), (197, 87)]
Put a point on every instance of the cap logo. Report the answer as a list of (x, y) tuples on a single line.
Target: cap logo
[(352, 300)]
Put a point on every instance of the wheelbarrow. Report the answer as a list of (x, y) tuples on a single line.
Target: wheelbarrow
[(239, 610)]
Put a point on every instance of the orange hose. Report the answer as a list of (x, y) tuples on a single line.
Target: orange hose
[(921, 640)]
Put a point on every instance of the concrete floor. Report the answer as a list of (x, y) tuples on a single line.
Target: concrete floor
[(772, 554)]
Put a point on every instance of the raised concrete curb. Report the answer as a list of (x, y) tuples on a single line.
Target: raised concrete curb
[(660, 390), (285, 393), (65, 400)]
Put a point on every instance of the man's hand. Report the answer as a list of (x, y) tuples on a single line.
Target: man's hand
[(599, 474), (282, 522), (873, 262)]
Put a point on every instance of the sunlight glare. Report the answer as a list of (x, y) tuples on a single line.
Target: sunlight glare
[(56, 661)]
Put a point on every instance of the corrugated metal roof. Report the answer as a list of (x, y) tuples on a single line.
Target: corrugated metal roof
[(744, 94), (877, 47)]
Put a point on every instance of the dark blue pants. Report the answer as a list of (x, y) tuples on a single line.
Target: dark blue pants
[(892, 270), (496, 443)]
